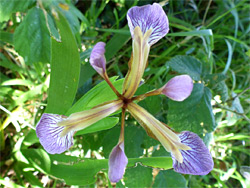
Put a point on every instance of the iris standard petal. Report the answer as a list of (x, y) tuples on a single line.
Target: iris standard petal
[(97, 58), (149, 17), (137, 63), (178, 88), (49, 132), (117, 163), (196, 161)]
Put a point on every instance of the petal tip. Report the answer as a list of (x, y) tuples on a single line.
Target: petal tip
[(149, 17), (117, 163), (49, 134), (198, 160)]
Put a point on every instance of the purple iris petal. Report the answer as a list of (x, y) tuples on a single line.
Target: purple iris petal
[(117, 163), (149, 17), (178, 88), (49, 134), (97, 58), (196, 161)]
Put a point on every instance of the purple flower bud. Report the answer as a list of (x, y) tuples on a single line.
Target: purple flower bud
[(117, 163), (149, 17), (97, 58), (196, 161), (49, 132), (178, 88)]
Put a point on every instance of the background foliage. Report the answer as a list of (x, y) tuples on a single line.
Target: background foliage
[(45, 65)]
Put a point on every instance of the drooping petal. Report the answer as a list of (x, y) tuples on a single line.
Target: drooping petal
[(97, 58), (170, 141), (117, 163), (178, 88), (149, 17), (196, 161), (56, 132), (49, 132)]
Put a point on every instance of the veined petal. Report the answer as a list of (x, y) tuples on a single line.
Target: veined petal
[(117, 163), (55, 132), (196, 161), (49, 132), (81, 120), (97, 58), (137, 63), (178, 88), (170, 141), (149, 17)]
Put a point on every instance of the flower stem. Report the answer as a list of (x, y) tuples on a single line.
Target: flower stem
[(106, 78), (143, 96), (121, 139)]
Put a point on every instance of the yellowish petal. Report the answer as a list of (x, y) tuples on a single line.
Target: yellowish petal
[(137, 65), (168, 139), (81, 120)]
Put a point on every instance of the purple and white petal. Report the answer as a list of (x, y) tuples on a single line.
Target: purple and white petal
[(178, 88), (117, 163), (149, 17), (49, 134), (198, 160), (97, 58)]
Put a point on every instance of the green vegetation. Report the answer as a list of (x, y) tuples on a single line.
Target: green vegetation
[(45, 68)]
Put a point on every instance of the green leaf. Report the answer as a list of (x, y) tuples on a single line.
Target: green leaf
[(186, 65), (169, 179), (32, 39), (138, 177), (133, 141), (206, 32), (194, 113), (7, 7), (65, 70), (6, 37), (77, 171), (106, 123), (151, 104), (116, 43)]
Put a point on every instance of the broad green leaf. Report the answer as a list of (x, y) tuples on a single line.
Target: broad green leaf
[(222, 90), (65, 70), (7, 7), (32, 39), (169, 179), (106, 123), (133, 141), (194, 113), (81, 171), (138, 176), (151, 104), (186, 65), (6, 37)]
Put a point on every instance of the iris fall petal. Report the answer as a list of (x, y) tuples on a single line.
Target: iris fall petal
[(149, 17), (49, 132), (196, 161)]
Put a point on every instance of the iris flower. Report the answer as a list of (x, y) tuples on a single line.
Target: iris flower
[(148, 24)]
